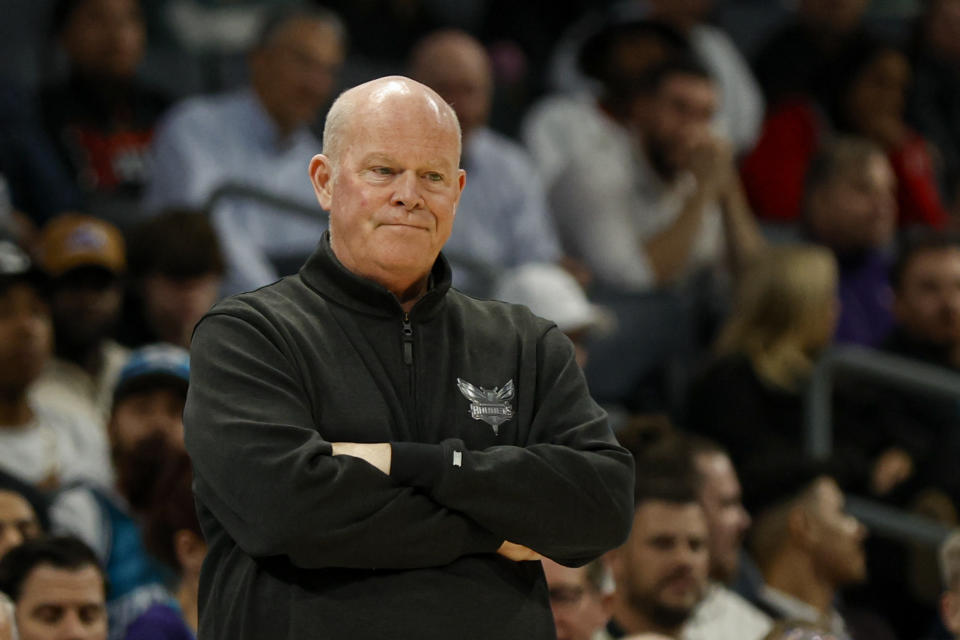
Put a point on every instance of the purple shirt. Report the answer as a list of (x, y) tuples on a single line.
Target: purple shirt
[(866, 299), (159, 622)]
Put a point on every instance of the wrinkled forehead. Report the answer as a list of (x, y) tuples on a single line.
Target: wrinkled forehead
[(412, 129)]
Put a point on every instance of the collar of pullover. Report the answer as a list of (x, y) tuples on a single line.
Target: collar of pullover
[(325, 274)]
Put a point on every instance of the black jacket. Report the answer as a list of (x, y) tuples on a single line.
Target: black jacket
[(306, 545)]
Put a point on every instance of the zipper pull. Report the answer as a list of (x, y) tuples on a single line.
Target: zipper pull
[(407, 332)]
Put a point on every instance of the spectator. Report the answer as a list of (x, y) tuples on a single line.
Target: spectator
[(23, 513), (102, 117), (176, 272), (37, 444), (662, 571), (618, 57), (146, 429), (863, 93), (950, 569), (259, 138), (721, 497), (933, 106), (790, 62), (85, 260), (580, 598), (749, 397), (172, 534), (739, 114), (552, 293), (58, 589), (661, 203), (502, 218), (850, 208), (807, 546), (926, 281)]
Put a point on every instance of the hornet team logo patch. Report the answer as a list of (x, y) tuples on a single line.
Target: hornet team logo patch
[(490, 405)]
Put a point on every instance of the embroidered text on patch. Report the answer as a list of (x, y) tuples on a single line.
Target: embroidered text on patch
[(490, 405)]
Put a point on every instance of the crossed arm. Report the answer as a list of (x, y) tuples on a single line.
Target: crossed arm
[(380, 454), (325, 504)]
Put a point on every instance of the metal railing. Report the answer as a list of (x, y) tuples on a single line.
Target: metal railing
[(873, 365)]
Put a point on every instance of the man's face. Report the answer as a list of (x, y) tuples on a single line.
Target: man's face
[(62, 604), (174, 306), (662, 569), (927, 303), (880, 89), (18, 521), (578, 608), (106, 37), (85, 304), (26, 335), (857, 209), (294, 74), (677, 117), (141, 415), (727, 520), (393, 197), (837, 537)]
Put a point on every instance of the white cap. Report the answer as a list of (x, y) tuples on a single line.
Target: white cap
[(552, 293)]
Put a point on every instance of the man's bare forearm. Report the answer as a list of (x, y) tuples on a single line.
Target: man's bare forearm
[(744, 240)]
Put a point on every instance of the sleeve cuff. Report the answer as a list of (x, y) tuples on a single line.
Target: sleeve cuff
[(416, 464)]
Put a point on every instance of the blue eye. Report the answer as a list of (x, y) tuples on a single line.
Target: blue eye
[(434, 177), (383, 171)]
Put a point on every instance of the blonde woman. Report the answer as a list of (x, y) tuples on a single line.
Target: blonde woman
[(750, 397)]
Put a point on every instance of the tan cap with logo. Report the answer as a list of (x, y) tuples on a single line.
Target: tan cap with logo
[(72, 240)]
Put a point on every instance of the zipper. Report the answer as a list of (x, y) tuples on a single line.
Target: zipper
[(407, 335)]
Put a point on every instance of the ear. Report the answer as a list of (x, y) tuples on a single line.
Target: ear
[(461, 183), (321, 175), (191, 550), (801, 527)]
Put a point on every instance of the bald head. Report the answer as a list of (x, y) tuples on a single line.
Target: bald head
[(456, 66), (384, 97)]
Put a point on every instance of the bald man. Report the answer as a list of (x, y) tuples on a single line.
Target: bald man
[(377, 455), (502, 219)]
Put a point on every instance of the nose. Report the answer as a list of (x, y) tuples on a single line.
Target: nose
[(72, 627), (407, 191)]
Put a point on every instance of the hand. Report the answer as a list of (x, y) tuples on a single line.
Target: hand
[(379, 454), (890, 469), (710, 159), (517, 552)]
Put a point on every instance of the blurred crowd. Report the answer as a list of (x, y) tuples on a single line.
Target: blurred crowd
[(706, 196)]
